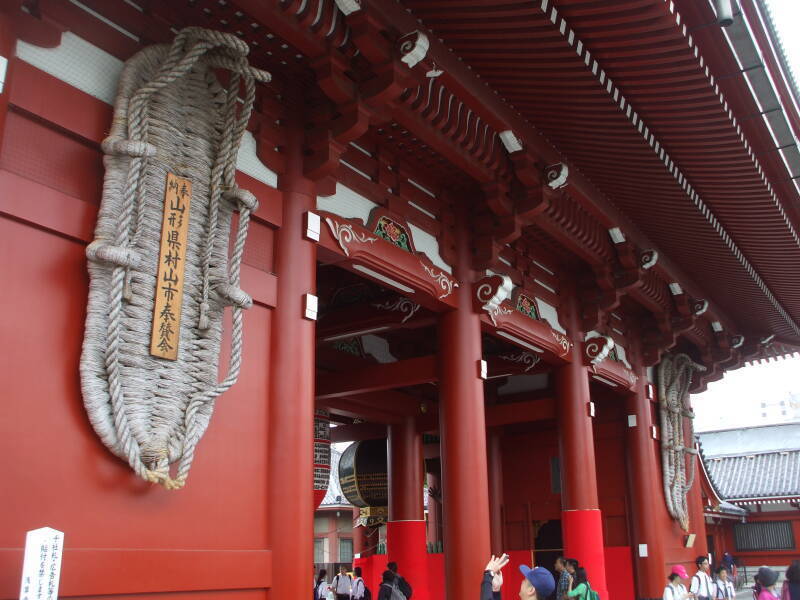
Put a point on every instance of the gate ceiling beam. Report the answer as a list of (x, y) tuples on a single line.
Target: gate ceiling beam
[(480, 97), (374, 378)]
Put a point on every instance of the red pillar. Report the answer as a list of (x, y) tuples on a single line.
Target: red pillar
[(646, 498), (462, 427), (495, 460), (434, 511), (290, 506), (405, 532), (581, 519)]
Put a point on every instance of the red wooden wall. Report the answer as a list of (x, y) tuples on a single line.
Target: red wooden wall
[(724, 540), (123, 536)]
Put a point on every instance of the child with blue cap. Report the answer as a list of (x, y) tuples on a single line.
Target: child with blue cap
[(537, 585)]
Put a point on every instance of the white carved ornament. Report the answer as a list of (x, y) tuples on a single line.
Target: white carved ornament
[(598, 347), (525, 358), (345, 234), (491, 300), (401, 305), (413, 47), (562, 341), (648, 259), (442, 280), (556, 175)]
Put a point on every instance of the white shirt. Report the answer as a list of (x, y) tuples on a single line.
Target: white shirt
[(702, 585), (675, 592), (342, 584), (358, 589), (322, 590), (724, 590)]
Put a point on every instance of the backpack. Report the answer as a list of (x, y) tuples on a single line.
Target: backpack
[(367, 594), (590, 593), (396, 593)]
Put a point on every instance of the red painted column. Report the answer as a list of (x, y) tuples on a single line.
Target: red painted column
[(462, 427), (581, 519), (405, 532), (290, 507), (646, 497), (434, 511), (495, 460)]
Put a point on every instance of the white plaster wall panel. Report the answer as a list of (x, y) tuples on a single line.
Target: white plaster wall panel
[(550, 314), (424, 242), (96, 72), (623, 356), (78, 63), (247, 162), (347, 204), (378, 348)]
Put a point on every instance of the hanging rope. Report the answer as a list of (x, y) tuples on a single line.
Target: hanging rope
[(171, 115), (678, 459)]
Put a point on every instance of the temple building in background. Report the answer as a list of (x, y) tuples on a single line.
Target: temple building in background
[(757, 470)]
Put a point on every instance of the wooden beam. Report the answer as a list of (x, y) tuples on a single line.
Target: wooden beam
[(413, 371), (355, 410), (521, 412), (363, 318), (358, 432)]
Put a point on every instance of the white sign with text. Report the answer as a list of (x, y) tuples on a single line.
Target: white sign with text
[(41, 569)]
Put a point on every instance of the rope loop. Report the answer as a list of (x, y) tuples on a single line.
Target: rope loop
[(100, 250)]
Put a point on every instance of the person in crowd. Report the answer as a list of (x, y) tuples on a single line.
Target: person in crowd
[(791, 586), (538, 582), (756, 586), (571, 564), (768, 579), (321, 588), (387, 585), (493, 577), (359, 587), (402, 584), (579, 585), (702, 587), (562, 587), (675, 590), (723, 586), (342, 584)]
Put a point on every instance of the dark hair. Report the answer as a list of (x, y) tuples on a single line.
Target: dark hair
[(572, 562), (673, 577), (343, 567), (700, 560), (321, 576), (357, 571), (580, 576), (793, 572), (720, 569), (392, 566), (388, 577), (562, 560)]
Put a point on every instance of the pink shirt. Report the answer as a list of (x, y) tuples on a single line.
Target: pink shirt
[(766, 595)]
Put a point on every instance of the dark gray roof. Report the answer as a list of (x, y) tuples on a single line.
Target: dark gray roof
[(765, 475)]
